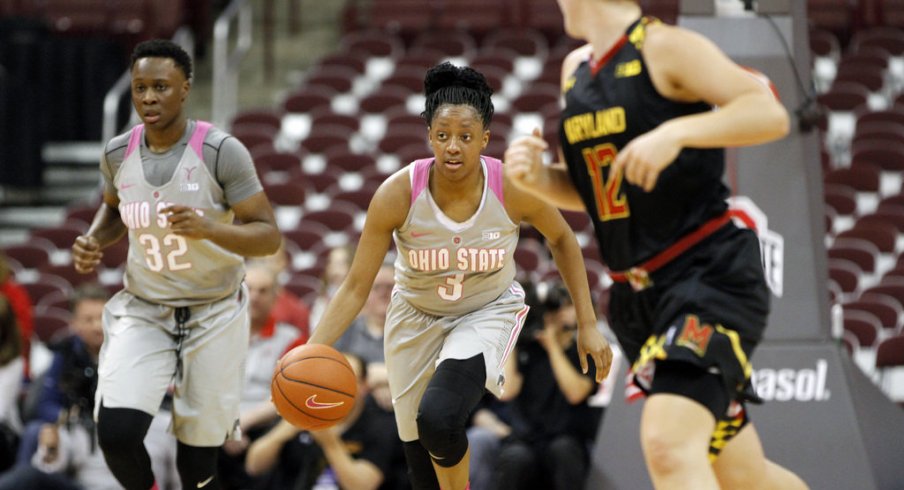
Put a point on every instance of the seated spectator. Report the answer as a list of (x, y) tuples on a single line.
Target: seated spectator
[(11, 361), (21, 305), (363, 452), (552, 425), (268, 342), (337, 263), (288, 308), (59, 448), (364, 336)]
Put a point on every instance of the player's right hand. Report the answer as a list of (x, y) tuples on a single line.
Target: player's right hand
[(524, 159), (86, 254)]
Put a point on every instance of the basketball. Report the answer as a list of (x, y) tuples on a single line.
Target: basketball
[(313, 386)]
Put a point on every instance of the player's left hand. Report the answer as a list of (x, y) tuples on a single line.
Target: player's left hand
[(591, 342), (185, 221), (645, 157)]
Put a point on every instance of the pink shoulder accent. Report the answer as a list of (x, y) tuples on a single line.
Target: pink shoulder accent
[(134, 140), (494, 176), (197, 138), (420, 174)]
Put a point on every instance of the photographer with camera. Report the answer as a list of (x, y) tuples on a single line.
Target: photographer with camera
[(552, 425)]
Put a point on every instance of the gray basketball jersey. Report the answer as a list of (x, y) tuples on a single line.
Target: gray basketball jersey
[(448, 268), (163, 267)]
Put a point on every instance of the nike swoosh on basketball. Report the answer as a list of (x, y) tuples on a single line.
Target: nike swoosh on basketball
[(314, 404), (205, 482), (418, 234)]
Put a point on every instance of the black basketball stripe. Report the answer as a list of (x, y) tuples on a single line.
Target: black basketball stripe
[(301, 410)]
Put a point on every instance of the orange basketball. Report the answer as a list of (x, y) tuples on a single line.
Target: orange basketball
[(313, 386)]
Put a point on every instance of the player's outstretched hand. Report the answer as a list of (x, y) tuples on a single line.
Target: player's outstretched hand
[(187, 222), (592, 343), (86, 254), (524, 159)]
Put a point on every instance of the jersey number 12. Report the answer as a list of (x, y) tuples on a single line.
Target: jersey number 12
[(609, 203)]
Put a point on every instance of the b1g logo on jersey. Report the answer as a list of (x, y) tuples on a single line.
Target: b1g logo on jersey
[(772, 245), (491, 235)]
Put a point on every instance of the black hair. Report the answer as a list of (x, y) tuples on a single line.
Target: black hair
[(162, 48), (446, 83)]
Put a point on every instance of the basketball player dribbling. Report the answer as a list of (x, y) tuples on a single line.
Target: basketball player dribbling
[(175, 186), (456, 309), (642, 154)]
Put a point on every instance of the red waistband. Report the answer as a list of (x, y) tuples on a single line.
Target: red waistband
[(640, 273)]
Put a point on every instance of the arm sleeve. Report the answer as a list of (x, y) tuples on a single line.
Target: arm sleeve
[(235, 171)]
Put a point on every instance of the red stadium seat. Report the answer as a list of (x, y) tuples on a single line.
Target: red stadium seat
[(307, 99), (50, 324), (887, 310), (846, 274), (863, 177), (451, 42), (63, 236), (525, 42), (861, 252), (258, 117), (344, 160), (31, 255), (864, 325), (372, 43), (286, 193), (882, 235), (276, 161), (383, 99)]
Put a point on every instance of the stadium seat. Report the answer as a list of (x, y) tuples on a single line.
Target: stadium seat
[(276, 161), (68, 273), (63, 236), (863, 177), (846, 274), (345, 160), (452, 42), (308, 99), (372, 43), (887, 310), (50, 323), (384, 99), (408, 78), (525, 42), (861, 252), (31, 255), (883, 235), (258, 117), (337, 78), (864, 325), (286, 193), (325, 115), (323, 137)]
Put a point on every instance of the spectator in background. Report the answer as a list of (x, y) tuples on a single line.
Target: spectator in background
[(338, 261), (552, 425), (59, 448), (11, 361), (69, 383), (288, 307), (21, 306), (268, 342), (362, 452), (364, 337)]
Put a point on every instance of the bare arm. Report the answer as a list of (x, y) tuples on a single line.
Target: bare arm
[(387, 211), (687, 67), (573, 385), (570, 262), (263, 454), (351, 473), (524, 157), (256, 235), (106, 229)]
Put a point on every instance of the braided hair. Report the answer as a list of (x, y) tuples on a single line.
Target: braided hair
[(449, 84)]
